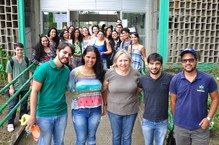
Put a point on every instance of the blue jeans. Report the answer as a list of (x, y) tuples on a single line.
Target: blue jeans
[(23, 107), (154, 130), (86, 122), (52, 128), (122, 126)]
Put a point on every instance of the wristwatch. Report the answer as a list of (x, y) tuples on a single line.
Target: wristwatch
[(208, 118)]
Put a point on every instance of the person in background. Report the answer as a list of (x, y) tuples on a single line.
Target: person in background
[(121, 38), (86, 41), (53, 38), (77, 43), (103, 46), (137, 52), (116, 39), (86, 83), (127, 41), (119, 21), (48, 108), (65, 27), (71, 30), (189, 91), (64, 37), (108, 37), (20, 63), (119, 28), (95, 29), (120, 90), (42, 52), (155, 116)]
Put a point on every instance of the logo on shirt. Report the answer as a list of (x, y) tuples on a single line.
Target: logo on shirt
[(201, 88)]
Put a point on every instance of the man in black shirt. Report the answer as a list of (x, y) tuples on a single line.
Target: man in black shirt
[(155, 85)]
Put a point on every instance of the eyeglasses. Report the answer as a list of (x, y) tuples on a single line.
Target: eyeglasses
[(191, 60)]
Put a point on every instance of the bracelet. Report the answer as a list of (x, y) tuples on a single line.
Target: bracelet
[(208, 118)]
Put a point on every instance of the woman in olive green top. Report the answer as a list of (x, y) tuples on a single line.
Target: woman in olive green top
[(120, 86)]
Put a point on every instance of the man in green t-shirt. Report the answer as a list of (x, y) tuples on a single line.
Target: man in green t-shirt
[(48, 108), (15, 66)]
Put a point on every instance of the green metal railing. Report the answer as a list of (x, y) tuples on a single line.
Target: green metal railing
[(5, 87), (15, 108), (16, 93)]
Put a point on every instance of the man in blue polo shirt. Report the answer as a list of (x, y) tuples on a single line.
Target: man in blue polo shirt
[(189, 91), (48, 108)]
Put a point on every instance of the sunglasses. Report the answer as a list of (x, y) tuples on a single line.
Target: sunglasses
[(191, 60)]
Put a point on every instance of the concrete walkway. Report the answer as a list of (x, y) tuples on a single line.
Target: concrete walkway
[(104, 133)]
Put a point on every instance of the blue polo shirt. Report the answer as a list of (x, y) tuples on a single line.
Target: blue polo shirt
[(191, 99)]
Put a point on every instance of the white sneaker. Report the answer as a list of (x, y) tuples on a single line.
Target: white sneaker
[(10, 127)]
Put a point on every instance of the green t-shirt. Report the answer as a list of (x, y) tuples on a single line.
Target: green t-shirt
[(51, 97), (17, 69)]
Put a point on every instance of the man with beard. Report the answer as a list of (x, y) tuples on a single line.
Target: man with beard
[(189, 91), (155, 85), (48, 108)]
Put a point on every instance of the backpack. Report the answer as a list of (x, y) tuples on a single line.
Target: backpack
[(12, 62)]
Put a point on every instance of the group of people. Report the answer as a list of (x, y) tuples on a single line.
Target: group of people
[(98, 88), (108, 40)]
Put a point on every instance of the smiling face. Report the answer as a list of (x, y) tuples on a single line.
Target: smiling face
[(64, 54), (90, 59), (52, 33), (155, 67), (95, 30), (189, 62), (134, 39), (66, 35), (45, 41), (76, 33), (123, 62), (19, 51), (114, 35), (85, 31)]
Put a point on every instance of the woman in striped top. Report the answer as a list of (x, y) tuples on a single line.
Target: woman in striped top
[(86, 83)]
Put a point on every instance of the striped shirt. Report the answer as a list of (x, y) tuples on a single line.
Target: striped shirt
[(87, 89)]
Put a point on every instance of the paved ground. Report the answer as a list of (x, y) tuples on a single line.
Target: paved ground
[(104, 134)]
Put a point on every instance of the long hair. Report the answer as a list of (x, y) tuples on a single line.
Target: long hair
[(98, 66), (56, 38), (39, 49), (87, 30), (73, 35), (62, 33)]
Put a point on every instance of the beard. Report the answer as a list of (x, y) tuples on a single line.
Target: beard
[(61, 60), (155, 72), (191, 70)]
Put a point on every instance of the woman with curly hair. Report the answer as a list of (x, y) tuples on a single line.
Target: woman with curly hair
[(86, 82), (42, 51)]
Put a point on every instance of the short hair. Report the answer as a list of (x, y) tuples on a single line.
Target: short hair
[(126, 30), (18, 45), (155, 57), (63, 45), (120, 52), (119, 25)]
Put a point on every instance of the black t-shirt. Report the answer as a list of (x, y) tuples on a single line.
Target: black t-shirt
[(156, 93)]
